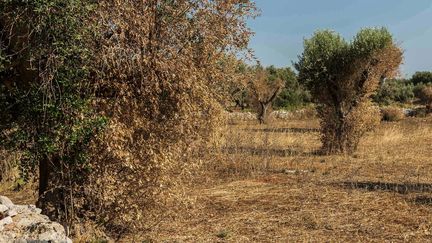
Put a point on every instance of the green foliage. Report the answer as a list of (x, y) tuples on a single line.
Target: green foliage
[(293, 95), (342, 76), (47, 114), (224, 234), (369, 40), (424, 94), (320, 59), (394, 90), (327, 54), (421, 78)]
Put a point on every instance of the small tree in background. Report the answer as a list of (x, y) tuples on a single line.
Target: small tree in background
[(264, 89), (236, 83), (293, 94), (421, 78), (424, 94), (342, 76), (394, 90)]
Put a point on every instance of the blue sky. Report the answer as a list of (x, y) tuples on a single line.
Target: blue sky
[(283, 24)]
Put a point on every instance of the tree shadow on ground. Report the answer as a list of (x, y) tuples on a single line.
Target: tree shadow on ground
[(284, 130), (267, 151), (402, 188), (422, 200)]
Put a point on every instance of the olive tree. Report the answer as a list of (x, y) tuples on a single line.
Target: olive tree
[(341, 77), (161, 79), (264, 88), (108, 99), (424, 94), (44, 92), (424, 77)]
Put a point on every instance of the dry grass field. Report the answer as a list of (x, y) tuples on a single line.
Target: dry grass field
[(268, 184)]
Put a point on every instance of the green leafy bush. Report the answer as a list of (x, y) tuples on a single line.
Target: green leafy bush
[(421, 78), (394, 90), (45, 96), (293, 95)]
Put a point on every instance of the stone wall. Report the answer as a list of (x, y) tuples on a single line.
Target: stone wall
[(26, 224)]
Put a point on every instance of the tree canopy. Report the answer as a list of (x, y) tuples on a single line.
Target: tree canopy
[(342, 76), (424, 77)]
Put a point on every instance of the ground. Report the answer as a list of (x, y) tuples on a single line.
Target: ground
[(268, 184)]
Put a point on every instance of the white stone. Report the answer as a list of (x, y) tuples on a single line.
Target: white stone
[(12, 212), (34, 209), (3, 208), (6, 221), (6, 201), (30, 226)]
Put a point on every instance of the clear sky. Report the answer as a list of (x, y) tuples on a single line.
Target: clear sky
[(283, 24)]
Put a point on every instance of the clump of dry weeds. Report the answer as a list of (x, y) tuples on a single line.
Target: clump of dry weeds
[(392, 114)]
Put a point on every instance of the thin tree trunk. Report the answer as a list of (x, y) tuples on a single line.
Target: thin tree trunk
[(263, 113), (44, 171)]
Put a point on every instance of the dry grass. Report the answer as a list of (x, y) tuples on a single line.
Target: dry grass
[(268, 185), (392, 114)]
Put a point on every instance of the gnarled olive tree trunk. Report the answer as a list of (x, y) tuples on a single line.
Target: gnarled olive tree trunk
[(265, 107)]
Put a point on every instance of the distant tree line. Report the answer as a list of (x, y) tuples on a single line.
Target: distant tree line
[(403, 90), (293, 94)]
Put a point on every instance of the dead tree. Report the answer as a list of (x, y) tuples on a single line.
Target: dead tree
[(264, 91)]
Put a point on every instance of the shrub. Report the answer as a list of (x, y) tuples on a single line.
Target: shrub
[(424, 94), (392, 114), (44, 94), (293, 95), (394, 90), (341, 77), (124, 94), (160, 78), (421, 78), (8, 167)]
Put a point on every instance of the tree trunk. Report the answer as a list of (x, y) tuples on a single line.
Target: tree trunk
[(45, 176), (337, 137), (263, 113), (44, 171)]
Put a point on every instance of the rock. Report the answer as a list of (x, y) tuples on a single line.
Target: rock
[(27, 209), (3, 208), (34, 209), (11, 212), (286, 171), (6, 201), (25, 223), (51, 232), (29, 225), (6, 221)]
